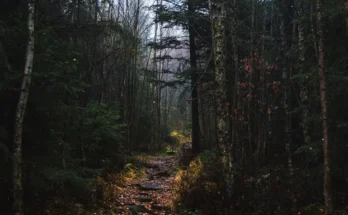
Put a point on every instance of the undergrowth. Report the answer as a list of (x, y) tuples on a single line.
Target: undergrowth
[(197, 188), (100, 193)]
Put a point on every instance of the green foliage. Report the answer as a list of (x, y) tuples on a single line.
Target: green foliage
[(313, 209), (103, 192), (312, 152), (73, 131), (197, 187), (143, 134), (102, 132), (67, 181), (74, 128), (129, 166)]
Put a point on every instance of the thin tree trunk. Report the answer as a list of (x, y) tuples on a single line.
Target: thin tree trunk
[(304, 88), (346, 8), (133, 118), (145, 80), (63, 144), (323, 100), (250, 91), (286, 100), (262, 143), (153, 111), (194, 94), (159, 89), (234, 114), (313, 35), (165, 111), (19, 118)]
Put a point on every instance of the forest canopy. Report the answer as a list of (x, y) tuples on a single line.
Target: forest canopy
[(236, 106)]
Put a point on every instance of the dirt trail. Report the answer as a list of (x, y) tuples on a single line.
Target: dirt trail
[(151, 194)]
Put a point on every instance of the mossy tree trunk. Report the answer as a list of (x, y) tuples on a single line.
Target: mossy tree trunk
[(218, 19)]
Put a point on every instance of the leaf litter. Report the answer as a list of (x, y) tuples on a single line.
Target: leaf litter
[(150, 194)]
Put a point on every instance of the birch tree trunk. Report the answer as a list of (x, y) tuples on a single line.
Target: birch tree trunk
[(19, 117), (323, 101), (218, 19)]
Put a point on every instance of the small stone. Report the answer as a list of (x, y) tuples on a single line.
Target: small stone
[(150, 187)]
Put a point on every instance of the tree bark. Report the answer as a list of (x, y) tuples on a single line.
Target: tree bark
[(304, 92), (19, 117), (234, 114), (313, 33), (250, 91), (159, 88), (262, 124), (284, 34), (323, 102), (194, 84), (218, 19), (153, 106)]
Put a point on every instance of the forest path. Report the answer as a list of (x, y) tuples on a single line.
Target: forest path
[(150, 194)]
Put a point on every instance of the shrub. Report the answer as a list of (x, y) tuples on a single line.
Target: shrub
[(103, 192), (198, 187)]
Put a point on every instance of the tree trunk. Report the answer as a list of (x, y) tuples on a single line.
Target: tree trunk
[(284, 34), (250, 91), (313, 34), (20, 112), (194, 94), (323, 102), (218, 18), (159, 89), (346, 8), (234, 114), (304, 88), (153, 86), (263, 113)]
